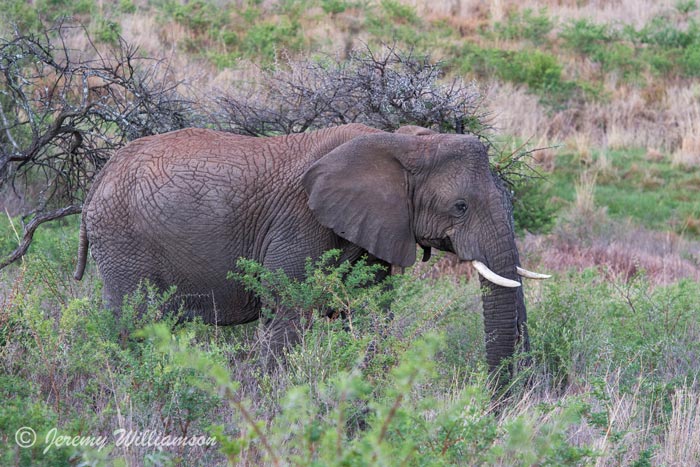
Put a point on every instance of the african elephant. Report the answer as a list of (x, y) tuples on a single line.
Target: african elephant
[(180, 208)]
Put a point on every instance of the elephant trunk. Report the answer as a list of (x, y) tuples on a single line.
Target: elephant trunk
[(504, 314)]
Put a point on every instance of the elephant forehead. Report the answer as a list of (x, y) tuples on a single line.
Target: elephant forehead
[(460, 169), (461, 153)]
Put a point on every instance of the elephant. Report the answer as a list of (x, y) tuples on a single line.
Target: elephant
[(180, 208)]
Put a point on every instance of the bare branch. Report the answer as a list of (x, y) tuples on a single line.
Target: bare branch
[(384, 89), (32, 226), (63, 112)]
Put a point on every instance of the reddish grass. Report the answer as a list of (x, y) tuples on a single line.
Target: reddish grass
[(622, 249)]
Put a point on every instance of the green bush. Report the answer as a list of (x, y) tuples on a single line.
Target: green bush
[(23, 406), (661, 46), (333, 7), (328, 287), (686, 7), (127, 6), (107, 31), (540, 71), (200, 16), (662, 61), (527, 25), (536, 69), (265, 39), (394, 22), (621, 58), (586, 37), (21, 14), (399, 12), (662, 31), (636, 328), (401, 377), (318, 424), (56, 9), (533, 209), (690, 62)]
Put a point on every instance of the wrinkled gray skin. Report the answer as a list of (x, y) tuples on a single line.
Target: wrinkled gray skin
[(180, 208)]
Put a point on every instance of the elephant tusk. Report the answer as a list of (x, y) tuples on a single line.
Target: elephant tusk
[(532, 275), (492, 276)]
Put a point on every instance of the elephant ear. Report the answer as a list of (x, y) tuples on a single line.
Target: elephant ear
[(360, 190)]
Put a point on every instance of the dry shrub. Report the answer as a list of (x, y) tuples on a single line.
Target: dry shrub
[(604, 167), (630, 420), (631, 122), (626, 412), (580, 144), (691, 225), (655, 94), (68, 104), (469, 26), (381, 88)]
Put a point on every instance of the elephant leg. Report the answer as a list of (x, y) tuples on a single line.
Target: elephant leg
[(279, 332), (281, 328), (126, 275), (286, 326)]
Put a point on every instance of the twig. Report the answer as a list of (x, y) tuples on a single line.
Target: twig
[(32, 226), (248, 418)]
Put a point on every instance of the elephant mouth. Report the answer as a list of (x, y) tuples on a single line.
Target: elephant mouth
[(445, 244), (442, 244)]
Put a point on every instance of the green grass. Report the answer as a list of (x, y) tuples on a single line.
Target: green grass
[(655, 194)]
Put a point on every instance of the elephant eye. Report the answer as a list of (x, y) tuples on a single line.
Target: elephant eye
[(460, 208)]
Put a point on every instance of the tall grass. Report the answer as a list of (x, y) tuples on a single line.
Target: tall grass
[(611, 357)]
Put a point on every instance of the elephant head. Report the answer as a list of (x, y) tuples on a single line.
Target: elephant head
[(388, 192)]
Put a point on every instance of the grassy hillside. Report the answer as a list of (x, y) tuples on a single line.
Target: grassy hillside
[(610, 89)]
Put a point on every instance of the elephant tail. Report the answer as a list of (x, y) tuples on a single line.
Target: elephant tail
[(82, 251)]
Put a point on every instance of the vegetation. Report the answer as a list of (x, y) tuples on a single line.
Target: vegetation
[(610, 205), (610, 359)]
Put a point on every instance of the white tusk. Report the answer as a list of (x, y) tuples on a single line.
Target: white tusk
[(532, 275), (492, 276)]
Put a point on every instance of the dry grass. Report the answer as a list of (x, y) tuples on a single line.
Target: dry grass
[(681, 446), (516, 112), (584, 202), (688, 155), (587, 239), (671, 125), (636, 12), (630, 429)]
